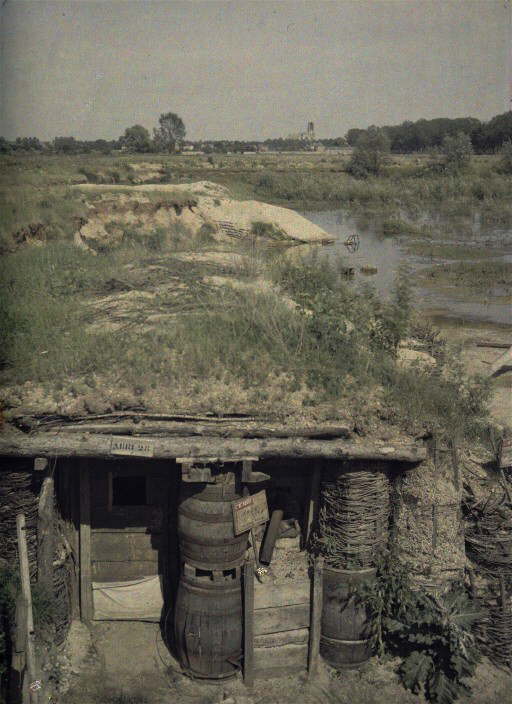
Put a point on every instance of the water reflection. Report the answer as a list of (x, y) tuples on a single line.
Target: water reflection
[(387, 254)]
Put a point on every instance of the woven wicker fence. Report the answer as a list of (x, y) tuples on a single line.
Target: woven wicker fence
[(489, 545), (494, 634), (19, 493), (489, 535), (354, 517)]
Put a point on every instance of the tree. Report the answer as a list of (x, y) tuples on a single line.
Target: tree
[(457, 150), (5, 147), (66, 145), (136, 139), (28, 144), (368, 155), (170, 133)]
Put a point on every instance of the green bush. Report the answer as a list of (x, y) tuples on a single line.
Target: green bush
[(431, 635), (457, 150), (267, 230), (505, 164)]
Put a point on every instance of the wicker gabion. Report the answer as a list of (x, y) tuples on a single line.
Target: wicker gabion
[(489, 535), (354, 517), (494, 633), (18, 494)]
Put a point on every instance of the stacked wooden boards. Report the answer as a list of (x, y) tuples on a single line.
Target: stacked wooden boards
[(281, 627)]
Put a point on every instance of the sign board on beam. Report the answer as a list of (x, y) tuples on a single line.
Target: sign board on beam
[(249, 512), (133, 447)]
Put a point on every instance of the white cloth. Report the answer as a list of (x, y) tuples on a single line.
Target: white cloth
[(135, 600)]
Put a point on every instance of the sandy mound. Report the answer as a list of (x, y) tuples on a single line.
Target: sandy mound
[(243, 214), (200, 208)]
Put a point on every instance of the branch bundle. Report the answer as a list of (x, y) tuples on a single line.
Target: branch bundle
[(354, 518)]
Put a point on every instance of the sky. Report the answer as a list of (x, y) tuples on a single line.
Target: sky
[(248, 70)]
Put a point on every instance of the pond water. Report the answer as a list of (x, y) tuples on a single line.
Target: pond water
[(387, 254)]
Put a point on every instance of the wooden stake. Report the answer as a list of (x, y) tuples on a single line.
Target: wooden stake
[(316, 618), (249, 623), (45, 536), (27, 596), (86, 603), (313, 502), (246, 492)]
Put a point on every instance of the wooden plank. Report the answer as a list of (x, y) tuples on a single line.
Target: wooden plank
[(51, 444), (125, 547), (281, 618), (268, 595), (86, 605), (300, 636), (316, 617), (27, 596), (122, 571), (249, 623), (45, 535), (71, 489), (282, 656)]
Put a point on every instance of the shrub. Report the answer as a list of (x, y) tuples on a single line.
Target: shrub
[(432, 636), (368, 156), (457, 150), (505, 165), (268, 230)]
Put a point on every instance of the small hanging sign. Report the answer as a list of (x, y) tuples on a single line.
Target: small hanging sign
[(135, 447), (249, 512)]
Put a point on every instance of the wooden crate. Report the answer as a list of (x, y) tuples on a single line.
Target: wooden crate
[(281, 628)]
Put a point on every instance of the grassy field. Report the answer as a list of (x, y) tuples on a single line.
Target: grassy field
[(35, 189), (139, 325)]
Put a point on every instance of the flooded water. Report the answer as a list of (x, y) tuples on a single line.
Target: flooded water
[(387, 254)]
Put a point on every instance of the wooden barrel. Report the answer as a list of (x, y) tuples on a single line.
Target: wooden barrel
[(208, 626), (346, 627), (205, 527)]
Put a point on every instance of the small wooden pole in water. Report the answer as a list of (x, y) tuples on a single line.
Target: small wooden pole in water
[(249, 623), (316, 617), (27, 597)]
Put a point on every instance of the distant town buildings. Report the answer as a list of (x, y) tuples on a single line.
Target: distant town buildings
[(307, 136)]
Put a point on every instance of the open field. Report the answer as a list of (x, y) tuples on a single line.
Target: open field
[(145, 324)]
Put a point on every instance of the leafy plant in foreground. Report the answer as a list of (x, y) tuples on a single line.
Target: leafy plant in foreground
[(431, 635)]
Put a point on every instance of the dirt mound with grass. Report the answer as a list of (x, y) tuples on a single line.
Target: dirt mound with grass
[(201, 210)]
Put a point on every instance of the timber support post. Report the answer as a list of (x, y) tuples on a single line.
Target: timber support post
[(45, 535), (29, 619), (316, 618), (248, 611), (86, 603)]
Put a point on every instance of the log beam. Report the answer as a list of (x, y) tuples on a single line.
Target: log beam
[(99, 446)]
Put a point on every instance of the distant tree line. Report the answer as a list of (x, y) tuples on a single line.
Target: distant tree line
[(426, 135), (168, 136)]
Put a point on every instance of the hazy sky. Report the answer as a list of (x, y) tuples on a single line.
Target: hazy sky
[(248, 69)]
